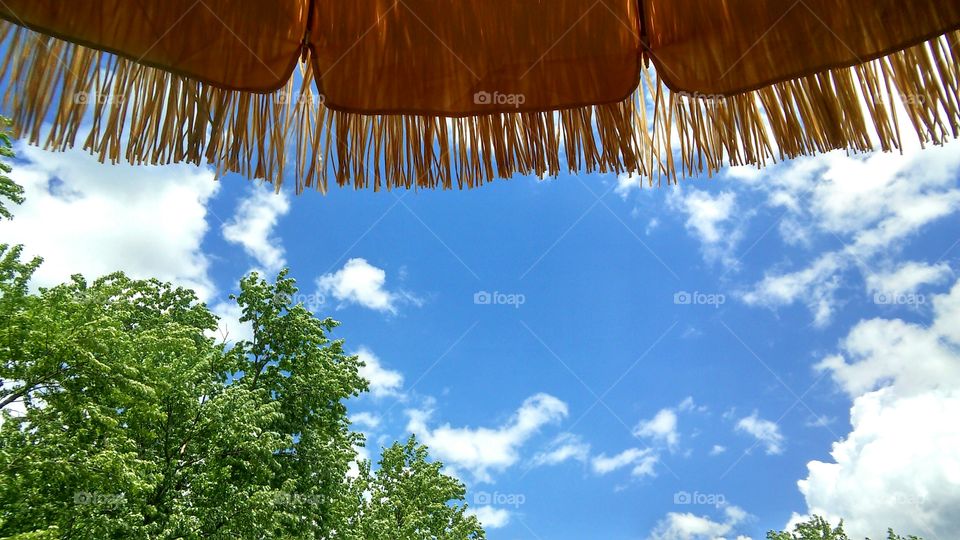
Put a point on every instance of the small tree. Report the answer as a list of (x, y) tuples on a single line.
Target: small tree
[(408, 498)]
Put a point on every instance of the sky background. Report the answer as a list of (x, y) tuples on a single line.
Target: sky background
[(593, 359)]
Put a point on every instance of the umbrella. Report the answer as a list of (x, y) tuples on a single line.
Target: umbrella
[(431, 93)]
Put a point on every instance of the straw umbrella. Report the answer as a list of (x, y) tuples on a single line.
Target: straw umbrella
[(424, 93)]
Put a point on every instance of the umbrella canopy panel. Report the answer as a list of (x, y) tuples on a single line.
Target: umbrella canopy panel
[(475, 57), (732, 46), (230, 44)]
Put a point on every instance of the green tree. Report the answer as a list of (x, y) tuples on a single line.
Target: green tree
[(818, 528), (123, 416), (9, 189), (407, 499)]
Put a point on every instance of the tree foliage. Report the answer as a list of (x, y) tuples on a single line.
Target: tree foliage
[(9, 189), (407, 498), (818, 528), (124, 416)]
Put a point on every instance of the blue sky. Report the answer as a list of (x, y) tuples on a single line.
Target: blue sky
[(593, 359)]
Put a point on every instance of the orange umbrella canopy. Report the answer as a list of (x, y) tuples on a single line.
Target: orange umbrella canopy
[(428, 93)]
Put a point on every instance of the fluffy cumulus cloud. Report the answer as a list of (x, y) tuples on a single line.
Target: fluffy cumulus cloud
[(765, 432), (251, 227), (689, 526), (904, 380), (870, 204), (484, 450), (383, 381), (363, 284), (640, 460), (86, 217)]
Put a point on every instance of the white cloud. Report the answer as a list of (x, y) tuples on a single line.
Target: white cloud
[(765, 431), (652, 225), (230, 329), (662, 427), (745, 173), (642, 460), (383, 382), (485, 450), (717, 450), (910, 357), (715, 220), (904, 379), (819, 421), (490, 517), (815, 285), (871, 204), (365, 419), (628, 182), (91, 218), (907, 278), (903, 451), (361, 283), (689, 405), (252, 227), (689, 526), (707, 213), (564, 447)]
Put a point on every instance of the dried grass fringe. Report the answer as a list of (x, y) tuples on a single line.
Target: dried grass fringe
[(144, 115)]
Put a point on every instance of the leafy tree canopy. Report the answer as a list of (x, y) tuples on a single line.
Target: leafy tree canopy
[(124, 416), (818, 528)]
